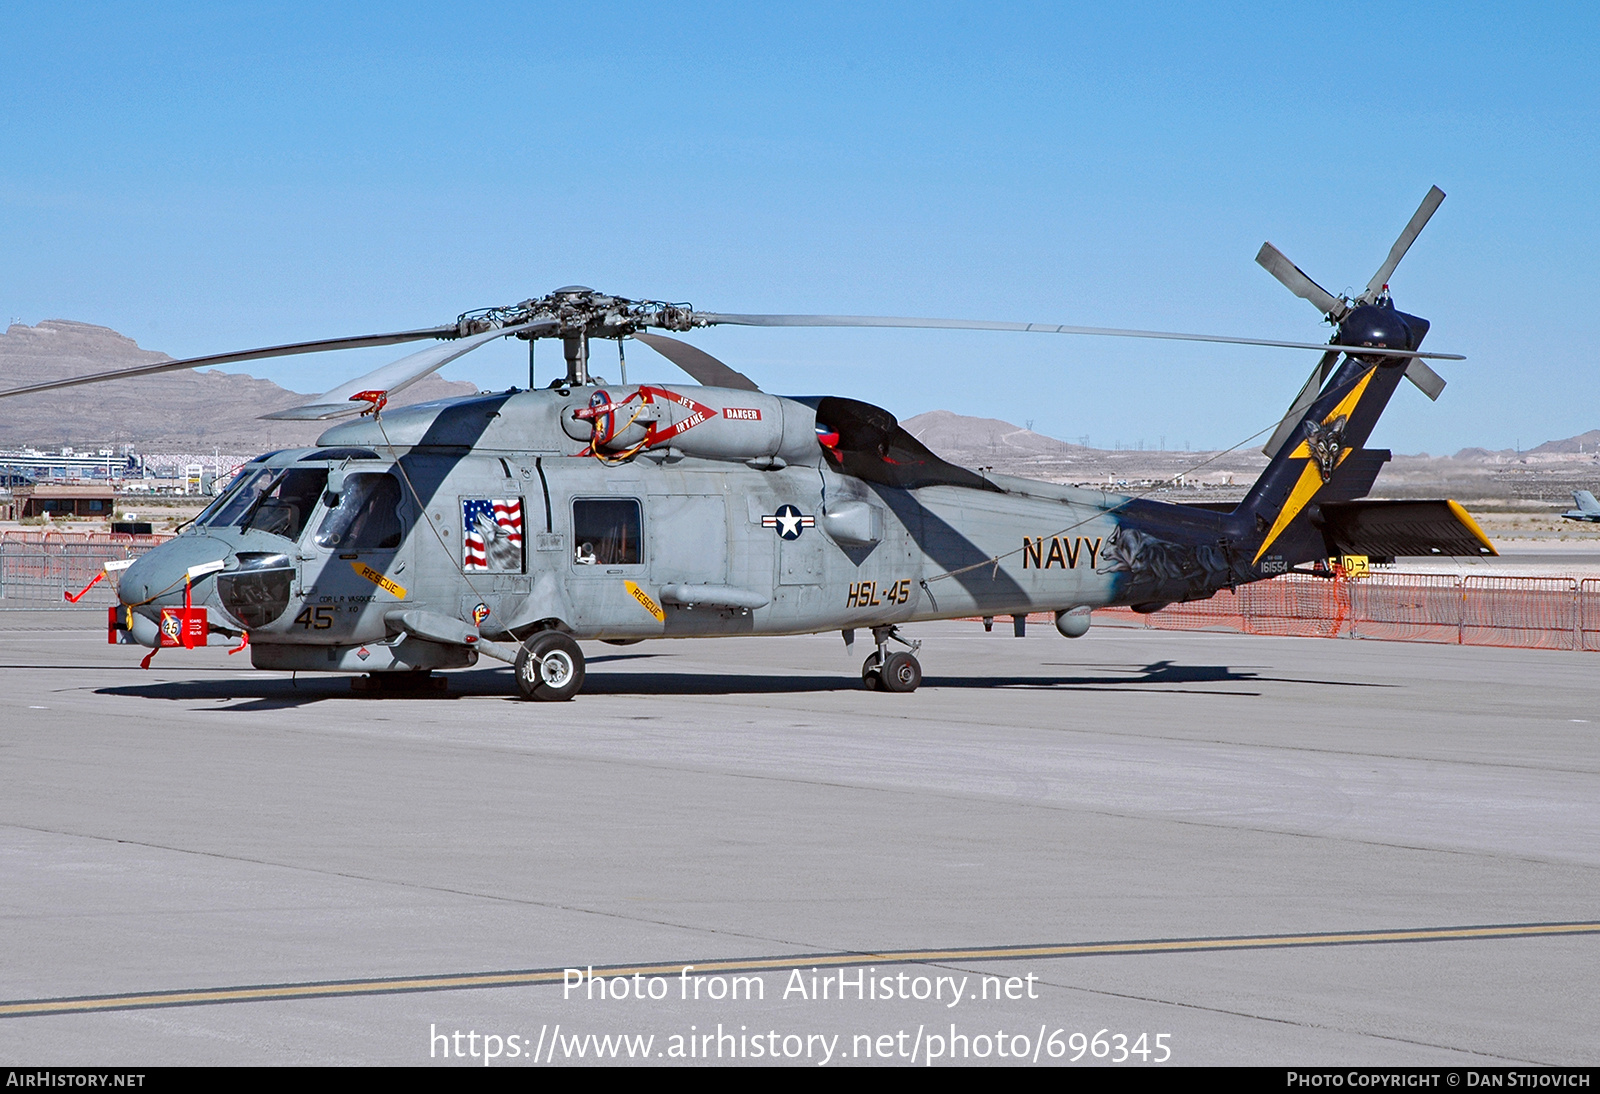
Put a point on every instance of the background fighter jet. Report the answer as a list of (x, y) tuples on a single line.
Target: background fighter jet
[(1588, 508)]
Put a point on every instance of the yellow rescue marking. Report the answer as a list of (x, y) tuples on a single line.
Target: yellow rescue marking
[(393, 588), (534, 977), (649, 605)]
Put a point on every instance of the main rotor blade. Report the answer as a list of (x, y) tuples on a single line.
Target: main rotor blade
[(394, 377), (1429, 381), (713, 318), (1430, 202), (706, 369), (1302, 403), (1276, 263), (289, 350)]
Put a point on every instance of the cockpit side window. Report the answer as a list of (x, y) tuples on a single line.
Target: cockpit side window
[(284, 506), (367, 516)]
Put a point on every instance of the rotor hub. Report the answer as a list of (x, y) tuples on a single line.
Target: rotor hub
[(1380, 326), (577, 313)]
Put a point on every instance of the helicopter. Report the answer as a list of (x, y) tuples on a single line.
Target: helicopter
[(514, 525)]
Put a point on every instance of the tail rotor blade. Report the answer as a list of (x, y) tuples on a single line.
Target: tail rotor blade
[(1276, 263), (705, 369), (1302, 403), (1429, 381), (1418, 219)]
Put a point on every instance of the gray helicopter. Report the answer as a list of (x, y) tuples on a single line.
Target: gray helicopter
[(514, 525)]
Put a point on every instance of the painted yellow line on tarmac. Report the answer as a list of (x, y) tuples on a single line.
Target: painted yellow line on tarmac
[(532, 977)]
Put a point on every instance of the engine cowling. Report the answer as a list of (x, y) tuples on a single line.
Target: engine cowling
[(713, 423)]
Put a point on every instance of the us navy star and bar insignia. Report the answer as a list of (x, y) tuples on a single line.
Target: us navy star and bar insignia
[(789, 521)]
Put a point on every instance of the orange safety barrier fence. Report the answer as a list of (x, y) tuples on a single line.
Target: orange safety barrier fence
[(1557, 613)]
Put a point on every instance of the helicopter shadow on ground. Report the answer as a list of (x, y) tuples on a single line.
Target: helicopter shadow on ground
[(1164, 677), (276, 693)]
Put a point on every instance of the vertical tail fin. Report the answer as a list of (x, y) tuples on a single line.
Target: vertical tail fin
[(1321, 459)]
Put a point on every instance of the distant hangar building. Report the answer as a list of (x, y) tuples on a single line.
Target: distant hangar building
[(94, 500)]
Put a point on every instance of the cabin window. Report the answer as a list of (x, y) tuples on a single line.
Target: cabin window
[(606, 532), (367, 516)]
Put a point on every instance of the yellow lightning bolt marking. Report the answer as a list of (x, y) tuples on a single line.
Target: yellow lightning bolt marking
[(1310, 477)]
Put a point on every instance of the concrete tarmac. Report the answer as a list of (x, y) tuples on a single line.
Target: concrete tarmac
[(1335, 811)]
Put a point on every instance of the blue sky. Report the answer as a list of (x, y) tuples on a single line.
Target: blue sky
[(205, 178)]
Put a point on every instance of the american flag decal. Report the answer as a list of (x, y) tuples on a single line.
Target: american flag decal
[(491, 534)]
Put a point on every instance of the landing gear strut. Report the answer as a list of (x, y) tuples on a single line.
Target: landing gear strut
[(899, 671)]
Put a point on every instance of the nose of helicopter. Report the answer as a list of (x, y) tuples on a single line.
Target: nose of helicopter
[(157, 577)]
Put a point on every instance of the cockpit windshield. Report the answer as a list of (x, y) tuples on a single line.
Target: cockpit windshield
[(276, 500), (238, 496), (284, 504)]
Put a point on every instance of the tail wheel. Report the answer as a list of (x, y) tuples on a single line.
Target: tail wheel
[(901, 672), (550, 668)]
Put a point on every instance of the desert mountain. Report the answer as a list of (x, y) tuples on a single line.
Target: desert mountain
[(1583, 444), (972, 439), (1013, 450), (192, 411)]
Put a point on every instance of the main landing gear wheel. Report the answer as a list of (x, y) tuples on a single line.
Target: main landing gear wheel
[(900, 672), (550, 668)]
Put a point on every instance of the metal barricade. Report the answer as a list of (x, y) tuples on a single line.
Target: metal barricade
[(1556, 613), (1526, 612), (1589, 613), (1295, 606), (36, 568), (1406, 607)]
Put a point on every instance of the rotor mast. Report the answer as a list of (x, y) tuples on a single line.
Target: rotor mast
[(575, 347)]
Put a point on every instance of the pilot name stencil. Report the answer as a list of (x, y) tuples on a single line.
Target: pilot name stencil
[(1065, 551)]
